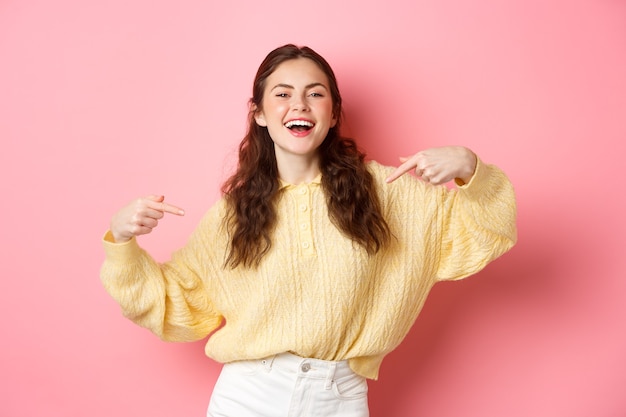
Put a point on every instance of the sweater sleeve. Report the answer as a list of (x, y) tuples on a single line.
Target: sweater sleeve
[(477, 223), (170, 299)]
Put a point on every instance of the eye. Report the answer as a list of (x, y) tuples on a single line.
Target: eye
[(282, 95), (316, 94)]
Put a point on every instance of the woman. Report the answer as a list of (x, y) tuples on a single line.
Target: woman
[(315, 263)]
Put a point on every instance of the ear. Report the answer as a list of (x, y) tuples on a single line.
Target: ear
[(333, 121), (259, 117)]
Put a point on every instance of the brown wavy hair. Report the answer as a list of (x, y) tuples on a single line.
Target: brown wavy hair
[(251, 192)]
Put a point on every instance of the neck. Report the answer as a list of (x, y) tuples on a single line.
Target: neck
[(296, 169)]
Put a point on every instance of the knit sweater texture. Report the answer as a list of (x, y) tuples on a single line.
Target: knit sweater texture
[(316, 293)]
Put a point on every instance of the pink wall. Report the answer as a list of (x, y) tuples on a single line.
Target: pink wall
[(104, 101)]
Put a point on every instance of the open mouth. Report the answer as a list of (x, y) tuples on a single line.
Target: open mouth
[(299, 125)]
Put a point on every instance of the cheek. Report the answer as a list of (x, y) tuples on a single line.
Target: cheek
[(275, 108)]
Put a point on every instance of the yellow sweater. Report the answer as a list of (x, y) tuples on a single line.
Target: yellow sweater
[(316, 293)]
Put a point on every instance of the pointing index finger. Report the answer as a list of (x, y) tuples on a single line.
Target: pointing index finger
[(167, 208), (405, 167)]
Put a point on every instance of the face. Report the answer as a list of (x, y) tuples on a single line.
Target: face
[(297, 109)]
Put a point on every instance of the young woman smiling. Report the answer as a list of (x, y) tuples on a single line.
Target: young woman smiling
[(315, 263)]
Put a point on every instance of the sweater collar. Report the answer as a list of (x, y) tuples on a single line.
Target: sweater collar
[(285, 185)]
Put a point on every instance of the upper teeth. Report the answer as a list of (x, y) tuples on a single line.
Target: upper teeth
[(292, 123)]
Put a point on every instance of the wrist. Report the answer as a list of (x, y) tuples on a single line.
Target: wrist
[(117, 238), (468, 168)]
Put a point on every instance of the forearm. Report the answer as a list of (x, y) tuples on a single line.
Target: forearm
[(478, 223), (133, 279), (164, 298)]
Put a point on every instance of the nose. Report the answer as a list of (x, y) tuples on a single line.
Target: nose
[(299, 103)]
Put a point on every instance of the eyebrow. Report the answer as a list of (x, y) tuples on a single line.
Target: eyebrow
[(281, 85)]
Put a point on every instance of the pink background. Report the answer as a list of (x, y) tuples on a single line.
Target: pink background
[(101, 102)]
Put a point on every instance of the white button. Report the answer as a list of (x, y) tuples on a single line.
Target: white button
[(306, 367), (302, 207), (303, 226), (302, 191), (305, 245)]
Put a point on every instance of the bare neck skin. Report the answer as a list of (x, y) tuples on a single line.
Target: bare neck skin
[(297, 169)]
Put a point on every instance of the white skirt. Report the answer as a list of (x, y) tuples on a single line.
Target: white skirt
[(287, 385)]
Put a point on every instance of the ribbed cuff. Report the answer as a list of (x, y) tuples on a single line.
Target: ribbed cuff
[(488, 182), (122, 252)]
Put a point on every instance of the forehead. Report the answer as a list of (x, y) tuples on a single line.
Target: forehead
[(297, 72)]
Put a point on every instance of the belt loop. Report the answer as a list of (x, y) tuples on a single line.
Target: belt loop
[(331, 375)]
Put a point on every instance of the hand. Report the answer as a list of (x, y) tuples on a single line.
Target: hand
[(439, 165), (140, 217)]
